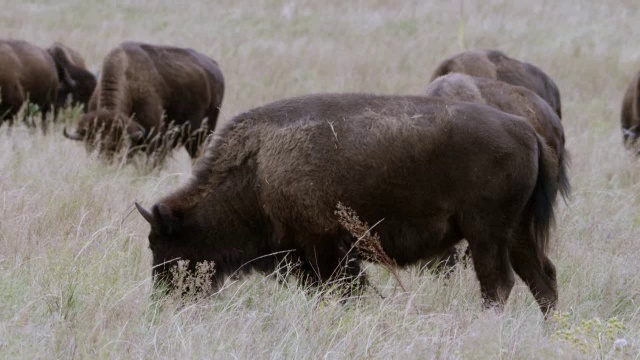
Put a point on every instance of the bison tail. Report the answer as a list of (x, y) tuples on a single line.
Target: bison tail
[(544, 195), (564, 184)]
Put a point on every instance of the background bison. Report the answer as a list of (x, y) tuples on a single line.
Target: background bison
[(511, 99), (272, 179), (144, 89), (76, 82), (26, 73), (43, 77), (494, 64)]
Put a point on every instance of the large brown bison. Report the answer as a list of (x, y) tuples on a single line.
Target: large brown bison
[(494, 64), (270, 180), (630, 114), (143, 88), (40, 76)]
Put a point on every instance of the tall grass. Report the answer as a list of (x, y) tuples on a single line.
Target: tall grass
[(74, 265)]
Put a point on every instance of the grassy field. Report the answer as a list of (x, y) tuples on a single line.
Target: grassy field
[(74, 263)]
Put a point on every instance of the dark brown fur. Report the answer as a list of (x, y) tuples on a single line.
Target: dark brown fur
[(270, 181), (511, 99), (76, 82), (630, 114), (27, 72), (494, 64), (155, 85)]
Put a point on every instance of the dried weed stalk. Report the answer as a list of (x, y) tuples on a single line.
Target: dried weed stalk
[(368, 246), (193, 285)]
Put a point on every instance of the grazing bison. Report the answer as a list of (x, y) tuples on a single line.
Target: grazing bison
[(28, 72), (145, 87), (511, 99), (76, 82), (270, 180), (494, 64), (630, 114)]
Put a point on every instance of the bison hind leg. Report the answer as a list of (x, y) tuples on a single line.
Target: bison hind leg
[(535, 269), (492, 264)]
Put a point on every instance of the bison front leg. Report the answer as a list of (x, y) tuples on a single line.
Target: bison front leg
[(493, 268)]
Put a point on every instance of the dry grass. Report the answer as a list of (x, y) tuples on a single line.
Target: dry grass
[(74, 263)]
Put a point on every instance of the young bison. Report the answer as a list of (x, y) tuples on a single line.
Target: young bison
[(269, 183), (494, 64), (143, 89)]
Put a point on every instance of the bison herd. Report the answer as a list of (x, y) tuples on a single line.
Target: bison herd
[(480, 156)]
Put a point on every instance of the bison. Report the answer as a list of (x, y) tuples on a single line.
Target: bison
[(270, 180), (42, 77), (145, 88), (512, 99), (630, 114), (494, 64), (76, 82)]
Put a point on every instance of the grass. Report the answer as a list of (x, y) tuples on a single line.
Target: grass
[(74, 264)]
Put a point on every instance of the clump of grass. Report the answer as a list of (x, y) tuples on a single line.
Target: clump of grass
[(367, 246), (192, 284), (603, 336)]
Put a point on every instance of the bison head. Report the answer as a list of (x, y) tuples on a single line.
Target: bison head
[(108, 131), (76, 82), (173, 238)]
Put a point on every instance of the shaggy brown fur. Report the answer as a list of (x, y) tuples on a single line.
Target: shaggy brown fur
[(511, 99), (269, 183), (630, 114), (27, 72), (494, 64), (156, 85), (76, 82)]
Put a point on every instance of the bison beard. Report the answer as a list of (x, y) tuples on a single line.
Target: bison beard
[(267, 187)]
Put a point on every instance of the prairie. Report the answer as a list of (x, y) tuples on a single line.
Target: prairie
[(75, 270)]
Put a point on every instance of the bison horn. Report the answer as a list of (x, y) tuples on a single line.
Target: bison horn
[(146, 214), (75, 136)]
